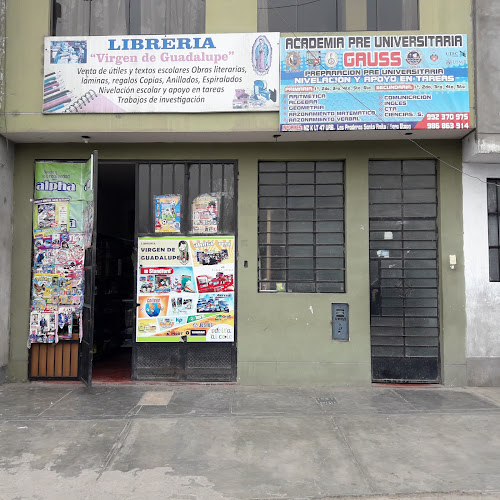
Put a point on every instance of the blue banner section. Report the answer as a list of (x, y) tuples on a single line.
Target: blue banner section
[(379, 82)]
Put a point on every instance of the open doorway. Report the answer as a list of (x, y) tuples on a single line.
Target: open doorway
[(114, 319)]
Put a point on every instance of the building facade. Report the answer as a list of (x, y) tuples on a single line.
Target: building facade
[(7, 183), (482, 166), (364, 218)]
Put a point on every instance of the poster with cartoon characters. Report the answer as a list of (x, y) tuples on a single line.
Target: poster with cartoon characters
[(205, 214), (185, 288), (167, 211), (59, 248), (51, 215)]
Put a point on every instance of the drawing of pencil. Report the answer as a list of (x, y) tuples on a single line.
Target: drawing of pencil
[(53, 97), (50, 105), (55, 109), (52, 91)]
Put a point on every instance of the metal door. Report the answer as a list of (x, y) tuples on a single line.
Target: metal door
[(203, 361), (87, 342), (404, 271)]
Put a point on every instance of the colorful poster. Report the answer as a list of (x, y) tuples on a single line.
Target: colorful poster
[(59, 180), (46, 286), (378, 82), (51, 216), (58, 240), (68, 181), (43, 327), (76, 216), (205, 214), (161, 74), (167, 213), (88, 223), (185, 289), (152, 307), (65, 322)]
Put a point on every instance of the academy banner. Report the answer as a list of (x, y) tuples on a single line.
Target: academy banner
[(378, 82)]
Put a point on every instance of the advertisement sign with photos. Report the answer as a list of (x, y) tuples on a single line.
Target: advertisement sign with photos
[(377, 82), (185, 289), (205, 214), (62, 229), (202, 73)]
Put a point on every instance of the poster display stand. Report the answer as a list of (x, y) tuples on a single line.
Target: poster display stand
[(60, 218)]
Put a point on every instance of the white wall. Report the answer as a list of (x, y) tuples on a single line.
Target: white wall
[(482, 297)]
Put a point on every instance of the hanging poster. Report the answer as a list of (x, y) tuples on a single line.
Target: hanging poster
[(377, 82), (59, 247), (188, 73), (51, 215), (65, 322), (185, 288), (205, 214), (43, 327), (167, 211), (59, 180)]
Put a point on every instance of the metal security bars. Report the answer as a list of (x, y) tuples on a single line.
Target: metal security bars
[(390, 15), (404, 271), (188, 179), (127, 17), (185, 361), (302, 16), (301, 226), (493, 197)]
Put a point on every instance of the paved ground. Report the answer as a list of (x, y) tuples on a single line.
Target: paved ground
[(225, 442)]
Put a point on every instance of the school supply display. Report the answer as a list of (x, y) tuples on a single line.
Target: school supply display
[(58, 254)]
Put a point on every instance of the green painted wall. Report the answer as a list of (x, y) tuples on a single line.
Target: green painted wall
[(282, 338), (25, 71)]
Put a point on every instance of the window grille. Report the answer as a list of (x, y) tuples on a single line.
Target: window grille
[(127, 17), (301, 226), (493, 197), (296, 16)]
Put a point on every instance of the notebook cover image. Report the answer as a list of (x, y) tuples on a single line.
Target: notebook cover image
[(91, 102)]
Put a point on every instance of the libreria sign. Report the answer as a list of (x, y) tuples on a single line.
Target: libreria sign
[(160, 43), (212, 73)]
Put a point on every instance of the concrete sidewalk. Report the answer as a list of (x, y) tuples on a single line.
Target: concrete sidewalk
[(225, 442)]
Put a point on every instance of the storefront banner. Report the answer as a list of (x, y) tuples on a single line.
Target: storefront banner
[(161, 74), (62, 211), (185, 288), (59, 180), (71, 182), (379, 82)]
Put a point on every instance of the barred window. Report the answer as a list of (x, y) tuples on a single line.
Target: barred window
[(298, 16), (127, 17), (493, 197), (301, 226)]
